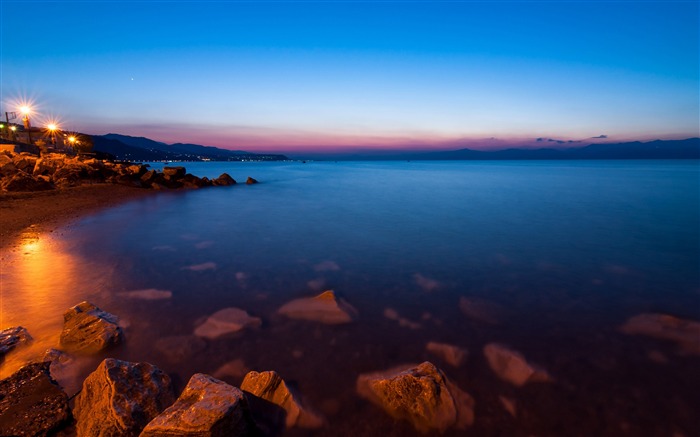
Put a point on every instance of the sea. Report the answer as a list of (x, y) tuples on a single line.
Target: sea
[(563, 252)]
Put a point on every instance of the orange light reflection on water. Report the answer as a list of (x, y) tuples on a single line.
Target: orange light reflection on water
[(41, 279)]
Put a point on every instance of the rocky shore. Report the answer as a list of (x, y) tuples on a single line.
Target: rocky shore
[(139, 399), (48, 190)]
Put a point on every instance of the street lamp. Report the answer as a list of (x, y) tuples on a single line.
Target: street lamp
[(27, 123), (52, 128)]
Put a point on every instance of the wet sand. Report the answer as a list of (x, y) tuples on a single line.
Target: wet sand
[(45, 211)]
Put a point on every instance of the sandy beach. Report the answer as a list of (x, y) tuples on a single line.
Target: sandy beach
[(47, 210)]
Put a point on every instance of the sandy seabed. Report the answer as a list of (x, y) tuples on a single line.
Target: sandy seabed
[(45, 211)]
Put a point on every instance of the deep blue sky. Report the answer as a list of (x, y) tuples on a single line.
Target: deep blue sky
[(300, 75)]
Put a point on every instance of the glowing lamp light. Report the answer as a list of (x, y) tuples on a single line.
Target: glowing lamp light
[(71, 139), (13, 128), (25, 110), (52, 127)]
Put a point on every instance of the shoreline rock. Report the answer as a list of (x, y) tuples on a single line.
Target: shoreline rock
[(32, 403), (511, 366), (421, 395), (88, 329), (121, 398), (11, 338), (206, 407), (270, 387), (21, 172)]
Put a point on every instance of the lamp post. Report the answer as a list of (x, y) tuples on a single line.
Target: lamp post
[(52, 128), (27, 123)]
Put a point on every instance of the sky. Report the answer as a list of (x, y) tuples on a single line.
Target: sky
[(329, 76)]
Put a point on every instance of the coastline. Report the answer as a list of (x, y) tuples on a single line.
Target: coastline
[(47, 210)]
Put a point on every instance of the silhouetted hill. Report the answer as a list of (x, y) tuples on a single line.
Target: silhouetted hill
[(144, 149)]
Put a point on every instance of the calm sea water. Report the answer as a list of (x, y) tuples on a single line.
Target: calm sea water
[(570, 250)]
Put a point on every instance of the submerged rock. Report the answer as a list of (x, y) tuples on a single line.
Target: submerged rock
[(207, 407), (251, 181), (147, 294), (88, 329), (453, 355), (427, 284), (421, 395), (325, 308), (10, 338), (512, 367), (685, 333), (31, 403), (226, 321), (120, 398), (178, 348), (235, 368), (270, 387), (482, 310)]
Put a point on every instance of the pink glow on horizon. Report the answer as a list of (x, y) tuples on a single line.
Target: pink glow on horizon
[(270, 140)]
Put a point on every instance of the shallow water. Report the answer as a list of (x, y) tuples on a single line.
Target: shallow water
[(568, 250)]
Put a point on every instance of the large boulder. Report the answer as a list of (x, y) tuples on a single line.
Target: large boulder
[(70, 175), (512, 367), (24, 182), (25, 162), (223, 180), (31, 403), (270, 387), (685, 333), (120, 398), (88, 329), (7, 165), (49, 163), (325, 308), (11, 338), (226, 321), (206, 408), (174, 172), (192, 181), (421, 395)]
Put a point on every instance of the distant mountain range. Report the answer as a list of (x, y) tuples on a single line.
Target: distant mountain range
[(658, 149), (129, 148)]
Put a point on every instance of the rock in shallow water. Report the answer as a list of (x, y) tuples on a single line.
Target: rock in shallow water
[(512, 367), (120, 398), (685, 333), (226, 321), (453, 355), (325, 308), (270, 387), (421, 395), (10, 338), (88, 329), (207, 407), (31, 403)]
